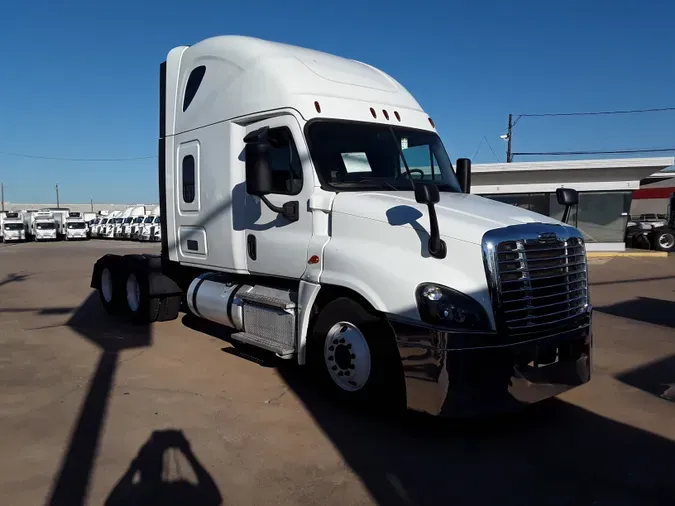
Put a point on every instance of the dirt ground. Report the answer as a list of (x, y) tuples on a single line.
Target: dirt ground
[(93, 411)]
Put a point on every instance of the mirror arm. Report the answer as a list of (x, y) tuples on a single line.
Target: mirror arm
[(290, 210), (566, 214), (437, 247)]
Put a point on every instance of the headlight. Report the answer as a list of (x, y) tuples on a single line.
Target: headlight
[(443, 306)]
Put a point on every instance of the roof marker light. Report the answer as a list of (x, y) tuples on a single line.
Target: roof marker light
[(317, 106), (386, 114), (431, 122), (398, 116), (372, 111), (313, 260)]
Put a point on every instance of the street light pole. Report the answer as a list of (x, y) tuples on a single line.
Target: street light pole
[(57, 196), (509, 157)]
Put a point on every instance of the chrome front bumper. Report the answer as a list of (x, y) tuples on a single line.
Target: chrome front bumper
[(462, 374)]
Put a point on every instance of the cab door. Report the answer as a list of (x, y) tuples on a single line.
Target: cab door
[(276, 246)]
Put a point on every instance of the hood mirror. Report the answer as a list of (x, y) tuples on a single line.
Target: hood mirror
[(567, 197), (428, 194)]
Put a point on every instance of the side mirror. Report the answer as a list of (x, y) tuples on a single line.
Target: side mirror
[(258, 171), (464, 174), (427, 193), (567, 197)]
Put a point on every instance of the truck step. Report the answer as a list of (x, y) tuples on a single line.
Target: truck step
[(267, 300), (261, 342)]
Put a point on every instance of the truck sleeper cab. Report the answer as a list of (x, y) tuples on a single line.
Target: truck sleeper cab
[(309, 206)]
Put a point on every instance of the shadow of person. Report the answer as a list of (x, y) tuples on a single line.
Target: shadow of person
[(151, 466)]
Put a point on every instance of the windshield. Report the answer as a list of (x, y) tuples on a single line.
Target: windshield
[(77, 225), (128, 220), (157, 220), (138, 219), (13, 226), (356, 156), (104, 221), (148, 219), (45, 226)]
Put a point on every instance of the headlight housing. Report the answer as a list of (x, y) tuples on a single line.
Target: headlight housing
[(445, 307)]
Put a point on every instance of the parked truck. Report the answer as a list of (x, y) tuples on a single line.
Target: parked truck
[(136, 212), (308, 205), (75, 227), (12, 227), (42, 226), (658, 234), (150, 224)]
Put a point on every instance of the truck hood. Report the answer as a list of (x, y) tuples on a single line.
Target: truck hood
[(460, 216)]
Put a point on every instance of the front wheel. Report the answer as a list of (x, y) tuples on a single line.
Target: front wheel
[(664, 240), (354, 354)]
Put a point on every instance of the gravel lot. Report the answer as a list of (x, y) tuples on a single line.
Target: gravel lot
[(88, 403)]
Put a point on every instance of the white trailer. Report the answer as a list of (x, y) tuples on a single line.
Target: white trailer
[(12, 228), (75, 227), (307, 204)]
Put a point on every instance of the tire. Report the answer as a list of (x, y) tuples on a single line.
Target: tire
[(664, 240), (353, 353), (109, 289), (141, 308)]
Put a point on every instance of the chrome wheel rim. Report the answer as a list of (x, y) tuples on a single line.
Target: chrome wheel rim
[(106, 285), (347, 356), (667, 241), (133, 293)]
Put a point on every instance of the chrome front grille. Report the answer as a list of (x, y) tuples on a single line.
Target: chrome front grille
[(539, 282)]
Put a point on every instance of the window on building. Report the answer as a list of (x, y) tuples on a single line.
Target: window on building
[(188, 176), (284, 162), (535, 202), (192, 85)]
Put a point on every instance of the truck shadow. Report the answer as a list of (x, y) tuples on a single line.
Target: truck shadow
[(554, 453), (644, 309), (656, 378)]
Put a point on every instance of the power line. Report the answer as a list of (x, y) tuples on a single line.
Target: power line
[(610, 152), (484, 139), (67, 159), (597, 113), (493, 151)]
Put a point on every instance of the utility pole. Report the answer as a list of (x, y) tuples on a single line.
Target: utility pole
[(91, 203), (57, 195), (509, 157), (2, 190)]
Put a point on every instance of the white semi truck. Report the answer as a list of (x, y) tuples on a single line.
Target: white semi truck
[(150, 224), (108, 231), (12, 228), (136, 212), (307, 204)]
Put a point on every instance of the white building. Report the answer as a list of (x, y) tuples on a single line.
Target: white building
[(605, 191)]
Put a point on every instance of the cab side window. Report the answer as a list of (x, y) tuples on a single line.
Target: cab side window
[(284, 162)]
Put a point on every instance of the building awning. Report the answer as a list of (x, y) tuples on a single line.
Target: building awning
[(547, 176)]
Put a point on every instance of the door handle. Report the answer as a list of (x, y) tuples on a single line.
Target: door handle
[(251, 247)]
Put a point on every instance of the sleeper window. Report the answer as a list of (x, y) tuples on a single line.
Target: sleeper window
[(188, 179)]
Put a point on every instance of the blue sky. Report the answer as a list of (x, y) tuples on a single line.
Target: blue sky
[(81, 80)]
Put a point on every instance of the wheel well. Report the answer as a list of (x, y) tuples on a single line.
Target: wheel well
[(332, 292)]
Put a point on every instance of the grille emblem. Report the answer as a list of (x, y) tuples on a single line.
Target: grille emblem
[(547, 238)]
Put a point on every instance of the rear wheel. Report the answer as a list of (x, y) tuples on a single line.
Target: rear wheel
[(141, 307), (354, 355), (108, 289)]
